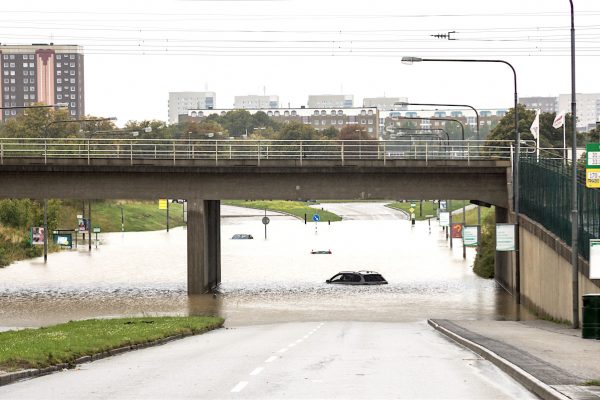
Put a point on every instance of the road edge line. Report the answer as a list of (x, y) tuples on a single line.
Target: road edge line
[(530, 382)]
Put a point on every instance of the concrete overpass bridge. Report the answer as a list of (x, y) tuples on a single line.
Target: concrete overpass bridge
[(207, 171)]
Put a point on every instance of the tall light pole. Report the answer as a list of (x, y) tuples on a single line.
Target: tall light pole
[(574, 210), (411, 60), (405, 103), (45, 200)]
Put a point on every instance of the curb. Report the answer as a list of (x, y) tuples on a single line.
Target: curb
[(530, 382), (13, 377)]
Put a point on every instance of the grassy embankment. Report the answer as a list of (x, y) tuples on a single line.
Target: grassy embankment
[(64, 343), (295, 208), (428, 207), (138, 215)]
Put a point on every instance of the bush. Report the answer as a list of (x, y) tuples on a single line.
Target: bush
[(484, 260)]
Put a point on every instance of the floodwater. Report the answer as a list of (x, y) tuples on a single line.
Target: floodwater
[(263, 280)]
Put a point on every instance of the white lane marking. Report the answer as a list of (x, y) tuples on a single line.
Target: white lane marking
[(283, 350), (305, 337), (257, 371), (291, 344), (271, 359), (239, 387), (298, 341)]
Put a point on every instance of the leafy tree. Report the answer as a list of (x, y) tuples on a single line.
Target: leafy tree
[(330, 133), (354, 132), (298, 131)]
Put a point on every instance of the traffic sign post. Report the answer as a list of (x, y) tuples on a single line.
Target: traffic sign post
[(96, 232), (265, 221)]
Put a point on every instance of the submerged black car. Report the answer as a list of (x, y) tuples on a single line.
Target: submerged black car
[(357, 278), (242, 236)]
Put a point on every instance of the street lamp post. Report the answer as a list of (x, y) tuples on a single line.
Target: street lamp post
[(411, 60), (462, 127), (574, 206), (405, 103)]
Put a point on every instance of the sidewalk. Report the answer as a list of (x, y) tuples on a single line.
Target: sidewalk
[(551, 360)]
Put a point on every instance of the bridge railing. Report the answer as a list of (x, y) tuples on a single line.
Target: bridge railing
[(180, 149)]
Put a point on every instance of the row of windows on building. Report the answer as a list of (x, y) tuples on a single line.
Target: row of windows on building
[(32, 56), (13, 73)]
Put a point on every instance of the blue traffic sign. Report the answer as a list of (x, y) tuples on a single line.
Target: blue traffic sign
[(316, 218)]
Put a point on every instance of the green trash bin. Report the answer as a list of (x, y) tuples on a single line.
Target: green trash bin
[(590, 327)]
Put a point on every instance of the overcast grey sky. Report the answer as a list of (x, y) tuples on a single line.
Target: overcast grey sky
[(138, 51)]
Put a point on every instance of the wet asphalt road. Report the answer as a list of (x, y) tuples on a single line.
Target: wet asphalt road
[(308, 360)]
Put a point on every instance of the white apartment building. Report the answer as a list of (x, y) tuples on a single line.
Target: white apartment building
[(330, 101), (181, 102), (256, 102), (385, 103), (588, 108)]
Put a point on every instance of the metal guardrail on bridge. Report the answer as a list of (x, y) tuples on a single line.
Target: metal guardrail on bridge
[(180, 149)]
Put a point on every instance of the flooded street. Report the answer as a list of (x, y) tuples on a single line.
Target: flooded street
[(263, 281)]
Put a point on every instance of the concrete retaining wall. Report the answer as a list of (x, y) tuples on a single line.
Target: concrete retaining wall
[(546, 272)]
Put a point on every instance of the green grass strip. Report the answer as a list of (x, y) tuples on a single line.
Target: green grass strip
[(64, 343), (595, 382), (295, 208)]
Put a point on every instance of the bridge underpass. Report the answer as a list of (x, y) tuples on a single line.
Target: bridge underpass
[(203, 187)]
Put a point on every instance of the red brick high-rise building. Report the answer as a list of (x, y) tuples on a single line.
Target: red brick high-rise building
[(42, 73)]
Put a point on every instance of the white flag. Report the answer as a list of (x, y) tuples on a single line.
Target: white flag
[(559, 120), (535, 126)]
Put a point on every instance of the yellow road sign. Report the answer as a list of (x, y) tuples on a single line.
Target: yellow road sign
[(162, 204), (592, 177), (412, 210)]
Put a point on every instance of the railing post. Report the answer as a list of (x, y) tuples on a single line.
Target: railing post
[(155, 152), (468, 153), (426, 154), (216, 153), (46, 151), (88, 151), (174, 152), (131, 152), (342, 153), (258, 153), (2, 153), (384, 153), (301, 150)]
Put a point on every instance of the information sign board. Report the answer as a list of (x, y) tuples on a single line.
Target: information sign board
[(457, 231), (37, 235), (505, 237), (444, 218), (442, 204), (470, 235), (594, 259)]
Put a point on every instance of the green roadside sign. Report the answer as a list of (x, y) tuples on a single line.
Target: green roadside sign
[(592, 165)]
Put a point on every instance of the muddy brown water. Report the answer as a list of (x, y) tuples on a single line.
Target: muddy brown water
[(263, 281)]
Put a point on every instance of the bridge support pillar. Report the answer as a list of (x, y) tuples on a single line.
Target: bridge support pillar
[(203, 245)]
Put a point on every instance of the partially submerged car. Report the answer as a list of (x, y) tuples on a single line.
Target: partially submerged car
[(357, 278), (242, 236), (320, 252)]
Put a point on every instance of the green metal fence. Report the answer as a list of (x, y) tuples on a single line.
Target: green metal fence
[(545, 196)]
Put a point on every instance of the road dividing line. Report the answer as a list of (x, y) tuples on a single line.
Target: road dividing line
[(283, 350), (239, 387), (257, 371), (271, 359)]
